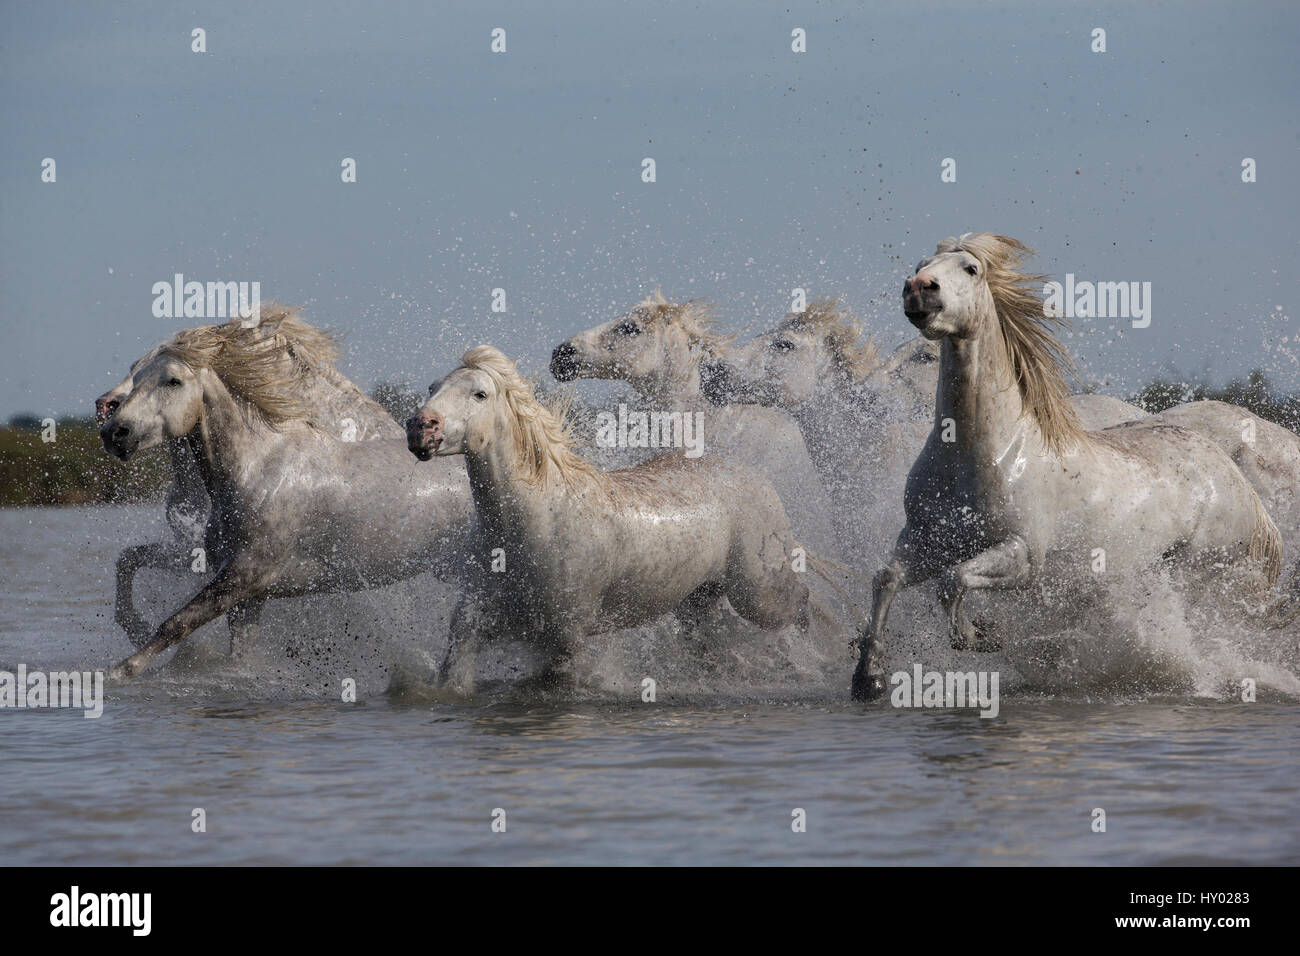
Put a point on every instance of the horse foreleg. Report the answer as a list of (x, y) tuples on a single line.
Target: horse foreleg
[(465, 637), (130, 561), (1005, 565), (904, 569), (232, 586), (244, 622)]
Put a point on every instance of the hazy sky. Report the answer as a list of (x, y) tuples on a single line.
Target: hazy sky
[(522, 170)]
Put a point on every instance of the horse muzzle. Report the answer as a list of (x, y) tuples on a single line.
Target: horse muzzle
[(423, 436), (119, 440), (921, 307), (564, 363)]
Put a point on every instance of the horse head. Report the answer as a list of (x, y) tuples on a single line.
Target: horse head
[(948, 295), (655, 342), (795, 362), (458, 406), (164, 400)]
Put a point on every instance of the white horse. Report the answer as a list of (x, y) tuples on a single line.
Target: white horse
[(657, 347), (864, 418), (1024, 493), (338, 405), (295, 509), (819, 366), (586, 551)]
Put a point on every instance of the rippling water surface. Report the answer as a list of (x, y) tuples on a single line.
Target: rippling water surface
[(287, 773)]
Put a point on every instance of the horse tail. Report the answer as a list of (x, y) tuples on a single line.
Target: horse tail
[(1266, 546)]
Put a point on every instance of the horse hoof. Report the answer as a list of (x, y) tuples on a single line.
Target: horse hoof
[(126, 669), (868, 686)]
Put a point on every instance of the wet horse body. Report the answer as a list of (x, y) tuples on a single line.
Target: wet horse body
[(338, 406), (295, 510), (658, 348), (586, 551), (864, 418), (1026, 494)]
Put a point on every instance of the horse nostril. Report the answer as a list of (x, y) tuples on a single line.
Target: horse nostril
[(121, 431)]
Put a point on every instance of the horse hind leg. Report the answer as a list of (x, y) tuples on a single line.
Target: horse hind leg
[(763, 586)]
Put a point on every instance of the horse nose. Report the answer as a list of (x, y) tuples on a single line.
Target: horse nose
[(921, 282), (115, 433), (422, 422), (562, 361)]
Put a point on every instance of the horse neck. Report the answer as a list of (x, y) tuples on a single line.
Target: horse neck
[(225, 438), (187, 471), (505, 503), (675, 380), (977, 391)]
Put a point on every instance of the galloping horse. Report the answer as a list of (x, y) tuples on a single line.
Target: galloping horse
[(1024, 492), (338, 405), (587, 551), (821, 367), (295, 509), (658, 348)]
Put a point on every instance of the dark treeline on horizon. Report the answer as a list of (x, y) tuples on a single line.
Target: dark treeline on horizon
[(74, 469)]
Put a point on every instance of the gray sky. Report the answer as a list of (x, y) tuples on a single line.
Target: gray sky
[(522, 170)]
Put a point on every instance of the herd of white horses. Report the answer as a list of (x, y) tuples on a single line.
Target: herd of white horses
[(295, 482)]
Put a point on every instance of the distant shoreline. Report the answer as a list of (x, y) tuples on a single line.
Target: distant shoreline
[(73, 469)]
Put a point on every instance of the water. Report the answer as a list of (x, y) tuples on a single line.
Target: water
[(288, 773)]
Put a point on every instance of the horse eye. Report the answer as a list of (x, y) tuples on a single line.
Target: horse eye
[(480, 396), (972, 270), (782, 345), (628, 328), (173, 382)]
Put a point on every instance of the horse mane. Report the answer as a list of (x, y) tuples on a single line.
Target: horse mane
[(1038, 360), (852, 352), (267, 371), (544, 446), (693, 318)]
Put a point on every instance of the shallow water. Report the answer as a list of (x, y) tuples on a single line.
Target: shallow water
[(287, 773)]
